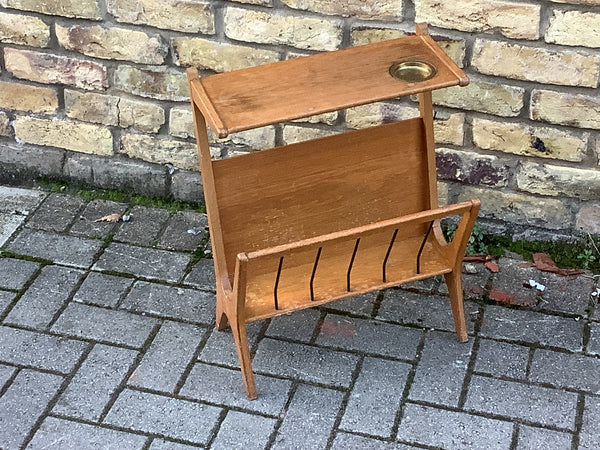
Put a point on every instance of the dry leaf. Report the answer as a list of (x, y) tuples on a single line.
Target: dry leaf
[(544, 262), (110, 218), (492, 267)]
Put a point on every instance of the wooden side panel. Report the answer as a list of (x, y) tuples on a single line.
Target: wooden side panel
[(290, 193)]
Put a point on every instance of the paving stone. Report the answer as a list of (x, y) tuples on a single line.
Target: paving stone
[(21, 200), (143, 262), (161, 444), (165, 416), (14, 273), (566, 370), (87, 224), (429, 311), (360, 305), (590, 432), (56, 213), (502, 359), (225, 387), (173, 302), (6, 299), (168, 356), (441, 371), (507, 285), (305, 362), (202, 275), (102, 289), (425, 286), (375, 397), (242, 430), (95, 382), (28, 348), (369, 336), (299, 326), (309, 419), (456, 430), (9, 223), (347, 441), (531, 438), (532, 327), (5, 373), (566, 294), (66, 250), (116, 327), (515, 400), (593, 346), (474, 285), (185, 231), (23, 403), (76, 436), (44, 298), (144, 226), (220, 348)]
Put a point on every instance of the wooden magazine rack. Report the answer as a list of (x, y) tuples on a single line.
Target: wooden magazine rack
[(304, 224)]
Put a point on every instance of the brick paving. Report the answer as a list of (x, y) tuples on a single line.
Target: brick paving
[(107, 341)]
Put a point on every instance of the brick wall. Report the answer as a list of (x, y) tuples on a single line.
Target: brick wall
[(95, 90)]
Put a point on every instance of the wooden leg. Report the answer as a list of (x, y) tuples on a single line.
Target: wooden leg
[(221, 320), (454, 282), (243, 351)]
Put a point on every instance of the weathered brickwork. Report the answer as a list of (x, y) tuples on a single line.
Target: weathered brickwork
[(106, 78)]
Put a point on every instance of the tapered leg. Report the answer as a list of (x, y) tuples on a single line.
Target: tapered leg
[(221, 317), (243, 351), (454, 282)]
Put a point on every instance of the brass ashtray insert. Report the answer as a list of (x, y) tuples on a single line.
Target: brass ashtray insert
[(412, 71)]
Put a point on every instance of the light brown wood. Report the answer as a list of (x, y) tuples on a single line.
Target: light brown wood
[(308, 223)]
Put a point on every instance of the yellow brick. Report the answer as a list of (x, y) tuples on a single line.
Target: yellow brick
[(84, 9), (574, 28), (5, 128), (23, 30), (158, 82), (364, 9), (583, 184), (574, 110), (293, 134), (24, 97), (160, 150)]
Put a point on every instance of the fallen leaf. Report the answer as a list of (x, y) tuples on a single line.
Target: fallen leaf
[(477, 258), (109, 218), (544, 262), (492, 267), (526, 264)]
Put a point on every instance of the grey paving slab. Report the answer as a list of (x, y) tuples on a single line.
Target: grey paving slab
[(67, 250), (185, 231), (94, 383), (6, 299), (5, 373), (532, 438), (102, 290), (202, 275), (566, 294), (14, 273), (429, 311), (514, 400), (453, 430), (299, 326), (566, 370), (590, 429), (117, 327), (174, 302), (369, 336), (45, 297), (87, 223), (20, 200), (502, 359), (23, 404), (56, 212), (309, 419), (305, 362), (360, 305), (244, 431), (169, 355), (161, 444), (507, 285), (63, 434), (220, 348), (473, 284), (29, 348), (533, 327), (593, 346), (425, 286), (347, 441), (169, 417), (9, 223), (225, 387), (144, 225), (442, 369), (375, 397), (143, 262)]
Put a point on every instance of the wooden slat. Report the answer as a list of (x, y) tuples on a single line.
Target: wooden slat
[(252, 97)]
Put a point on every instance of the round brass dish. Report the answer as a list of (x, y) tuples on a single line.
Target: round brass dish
[(412, 71)]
